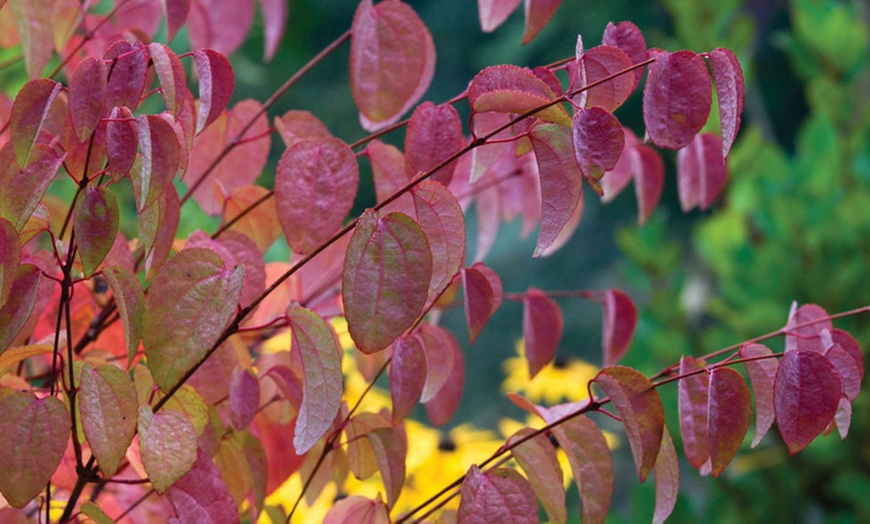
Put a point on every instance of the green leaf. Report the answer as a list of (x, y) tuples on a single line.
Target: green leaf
[(109, 412), (167, 442), (96, 225)]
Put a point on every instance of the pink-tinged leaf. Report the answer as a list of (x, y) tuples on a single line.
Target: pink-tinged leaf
[(127, 74), (843, 418), (130, 301), (296, 125), (602, 62), (33, 437), (357, 510), (392, 61), (386, 278), (729, 411), (407, 376), (484, 158), (483, 296), (627, 37), (813, 319), (388, 168), (762, 373), (160, 222), (694, 399), (438, 347), (537, 457), (499, 495), (442, 220), (615, 180), (219, 25), (216, 82), (848, 343), (807, 391), (201, 495), (315, 185), (167, 443), (549, 78), (676, 99), (361, 455), (170, 72), (257, 223), (10, 258), (701, 172), (244, 397), (95, 221), (512, 89), (489, 211), (538, 15), (850, 374), (274, 21), (246, 253), (561, 184), (542, 329), (391, 447), (87, 94), (443, 405), (493, 13), (649, 181), (620, 319), (122, 141), (667, 473), (728, 76), (175, 12), (161, 154), (29, 113), (640, 407), (433, 134), (598, 143), (33, 24), (16, 309), (109, 413), (190, 301), (318, 346)]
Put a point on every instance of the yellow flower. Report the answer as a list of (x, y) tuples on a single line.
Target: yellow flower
[(560, 380)]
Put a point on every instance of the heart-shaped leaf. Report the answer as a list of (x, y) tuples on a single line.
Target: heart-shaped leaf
[(167, 443)]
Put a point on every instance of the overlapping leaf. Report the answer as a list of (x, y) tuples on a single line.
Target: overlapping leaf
[(537, 457), (433, 134), (667, 473), (127, 74), (694, 427), (173, 79), (109, 414), (500, 495), (598, 141), (438, 346), (676, 98), (483, 296), (407, 376), (87, 92), (538, 14), (493, 13), (29, 112), (33, 24), (807, 391), (627, 37), (201, 495), (274, 21), (10, 257), (442, 220), (122, 141), (96, 221), (804, 327), (649, 181), (162, 156), (512, 89), (296, 125), (701, 172), (167, 443), (357, 510), (130, 301), (390, 448), (444, 403), (620, 319), (762, 373), (216, 82), (219, 25), (244, 397), (603, 62), (15, 311), (728, 76), (729, 409), (542, 329)]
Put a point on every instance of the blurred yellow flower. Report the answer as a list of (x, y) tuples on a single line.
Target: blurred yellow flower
[(559, 381)]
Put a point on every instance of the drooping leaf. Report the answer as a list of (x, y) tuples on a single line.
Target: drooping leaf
[(843, 418), (122, 141), (561, 185), (433, 134), (620, 319), (627, 37), (190, 301), (216, 83), (807, 391), (160, 220), (538, 15), (315, 185), (175, 12), (444, 403), (357, 510), (386, 278), (167, 443), (493, 13), (96, 514), (649, 181), (762, 373), (296, 125), (850, 345), (728, 76), (804, 328), (87, 91), (259, 223), (201, 495), (96, 222), (33, 24), (16, 309), (29, 112), (33, 437), (246, 253), (274, 21), (388, 168), (542, 329), (729, 410), (694, 400), (10, 258), (602, 62), (219, 25), (537, 457), (109, 414), (676, 99), (407, 376), (667, 473), (442, 220), (438, 346), (850, 374), (130, 301), (598, 141), (170, 72), (512, 89), (640, 407), (244, 397), (318, 347), (701, 172), (361, 455), (615, 180), (127, 74), (160, 160), (391, 448), (483, 296), (392, 61), (500, 495)]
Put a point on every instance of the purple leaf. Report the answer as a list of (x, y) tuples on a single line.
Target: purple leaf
[(500, 495), (729, 410), (407, 376), (87, 94), (728, 76), (244, 397), (542, 329), (701, 172), (807, 391), (627, 37), (598, 142), (96, 222), (676, 99), (483, 296), (201, 495), (762, 373), (433, 134)]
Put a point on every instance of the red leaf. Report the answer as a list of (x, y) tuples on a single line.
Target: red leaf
[(512, 89), (728, 76), (10, 258), (493, 13), (127, 74), (483, 296), (641, 411), (598, 142), (357, 510), (96, 224), (762, 373), (443, 405), (667, 472), (388, 168), (392, 61), (201, 495), (190, 301), (627, 37), (538, 15), (33, 437), (321, 354), (850, 374), (729, 410), (808, 337), (561, 186), (87, 94), (438, 347), (500, 495), (407, 376), (216, 82), (620, 319), (701, 172), (433, 134), (244, 397), (615, 180), (274, 21), (602, 62), (109, 413), (848, 343), (161, 157), (130, 301), (386, 278), (176, 14), (676, 99), (694, 399), (542, 329), (17, 308), (649, 181), (170, 72), (34, 27), (122, 142), (219, 25), (29, 112), (537, 457), (806, 393), (295, 125), (442, 220), (391, 448), (315, 186)]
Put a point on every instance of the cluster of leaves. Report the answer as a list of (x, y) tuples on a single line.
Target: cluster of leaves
[(137, 366)]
